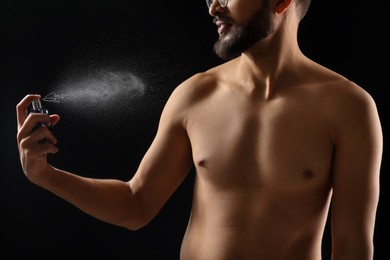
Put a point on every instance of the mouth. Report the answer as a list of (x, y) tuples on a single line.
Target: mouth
[(223, 26)]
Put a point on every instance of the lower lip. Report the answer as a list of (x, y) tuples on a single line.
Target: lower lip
[(222, 29)]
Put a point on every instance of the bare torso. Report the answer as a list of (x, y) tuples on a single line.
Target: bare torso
[(263, 174)]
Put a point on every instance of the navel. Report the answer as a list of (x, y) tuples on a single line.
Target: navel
[(307, 174)]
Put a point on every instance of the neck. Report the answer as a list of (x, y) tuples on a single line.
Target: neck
[(269, 62)]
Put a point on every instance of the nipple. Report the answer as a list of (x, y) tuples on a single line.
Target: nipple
[(307, 174), (200, 162)]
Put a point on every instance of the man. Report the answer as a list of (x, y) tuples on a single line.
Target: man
[(276, 140)]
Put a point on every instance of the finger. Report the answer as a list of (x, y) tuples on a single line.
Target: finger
[(32, 120), (33, 141), (54, 119), (38, 151), (46, 135), (43, 133), (21, 108), (46, 148)]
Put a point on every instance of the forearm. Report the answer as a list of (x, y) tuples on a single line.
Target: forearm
[(111, 201)]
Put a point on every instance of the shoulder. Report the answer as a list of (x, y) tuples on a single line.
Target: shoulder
[(343, 102), (190, 92), (347, 98), (198, 87), (336, 91), (194, 87), (356, 103), (349, 106)]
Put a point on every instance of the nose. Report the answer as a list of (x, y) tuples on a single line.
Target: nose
[(215, 8)]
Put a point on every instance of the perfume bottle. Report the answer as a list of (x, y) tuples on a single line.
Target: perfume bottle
[(37, 108)]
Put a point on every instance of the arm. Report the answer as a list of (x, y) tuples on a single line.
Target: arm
[(356, 170), (129, 204)]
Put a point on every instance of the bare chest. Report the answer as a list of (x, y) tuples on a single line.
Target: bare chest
[(282, 142)]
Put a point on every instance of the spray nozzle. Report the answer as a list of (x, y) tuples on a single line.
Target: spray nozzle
[(37, 107), (36, 104)]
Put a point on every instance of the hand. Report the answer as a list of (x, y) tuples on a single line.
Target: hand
[(32, 151)]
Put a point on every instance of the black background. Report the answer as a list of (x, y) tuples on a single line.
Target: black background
[(163, 43)]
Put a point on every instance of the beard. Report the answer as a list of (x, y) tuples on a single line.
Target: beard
[(258, 27)]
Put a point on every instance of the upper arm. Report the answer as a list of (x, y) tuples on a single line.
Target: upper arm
[(167, 161), (358, 152)]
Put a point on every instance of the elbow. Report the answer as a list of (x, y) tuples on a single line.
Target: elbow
[(134, 225), (135, 222), (136, 215)]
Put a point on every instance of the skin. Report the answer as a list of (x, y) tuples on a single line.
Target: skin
[(276, 139)]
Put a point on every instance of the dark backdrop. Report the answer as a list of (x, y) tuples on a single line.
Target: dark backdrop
[(53, 45)]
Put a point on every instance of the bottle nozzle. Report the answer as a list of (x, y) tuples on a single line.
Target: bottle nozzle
[(36, 104)]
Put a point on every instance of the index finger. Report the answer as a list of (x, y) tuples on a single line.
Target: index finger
[(21, 108)]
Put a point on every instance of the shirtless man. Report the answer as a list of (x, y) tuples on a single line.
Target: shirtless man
[(276, 139)]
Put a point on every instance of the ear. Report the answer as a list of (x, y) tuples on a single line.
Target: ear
[(282, 5)]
